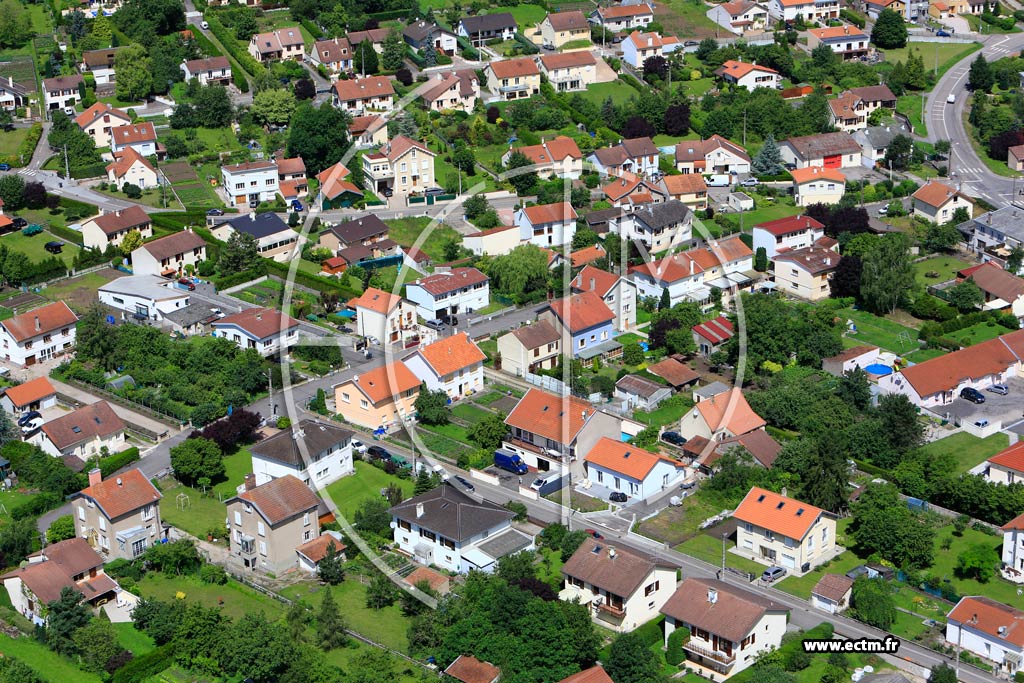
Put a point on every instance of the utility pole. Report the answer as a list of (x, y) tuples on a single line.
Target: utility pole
[(67, 166), (744, 127)]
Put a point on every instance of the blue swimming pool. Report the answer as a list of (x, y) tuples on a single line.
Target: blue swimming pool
[(878, 369)]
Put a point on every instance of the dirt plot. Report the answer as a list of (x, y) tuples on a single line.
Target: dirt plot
[(179, 172), (505, 404), (25, 300), (80, 292)]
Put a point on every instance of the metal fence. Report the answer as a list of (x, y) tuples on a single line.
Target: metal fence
[(549, 384)]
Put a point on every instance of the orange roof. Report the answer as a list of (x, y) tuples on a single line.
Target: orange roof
[(595, 674), (1017, 523), (946, 372), (513, 68), (452, 354), (992, 618), (550, 213), (630, 461), (316, 549), (259, 322), (586, 255), (469, 669), (844, 31), (594, 279), (775, 512), (387, 381), (553, 417), (362, 88), (332, 181), (811, 173), (623, 11), (620, 187), (568, 60), (122, 494), (1010, 458), (556, 149), (685, 183), (39, 321), (650, 39), (125, 159), (435, 579), (97, 110), (738, 70), (376, 300), (731, 412), (582, 311), (22, 395), (933, 193), (671, 268)]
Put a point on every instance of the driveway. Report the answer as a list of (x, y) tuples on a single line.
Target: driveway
[(996, 409)]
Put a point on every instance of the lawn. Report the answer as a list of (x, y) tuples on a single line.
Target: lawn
[(668, 413), (975, 334), (386, 626), (349, 492), (220, 140), (133, 640), (709, 549), (945, 266), (11, 499), (49, 666), (66, 288), (451, 431), (910, 106), (527, 16), (197, 515), (406, 231), (35, 246), (765, 211), (801, 586), (922, 355), (941, 55), (674, 525), (872, 329), (11, 140), (686, 19), (234, 599), (443, 170), (153, 198), (198, 196), (946, 560), (236, 466), (968, 449), (469, 412), (619, 91)]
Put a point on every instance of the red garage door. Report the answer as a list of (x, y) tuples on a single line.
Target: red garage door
[(834, 161)]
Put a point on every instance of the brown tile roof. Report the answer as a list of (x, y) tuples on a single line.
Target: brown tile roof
[(550, 213), (582, 311), (512, 68), (316, 436), (401, 144), (449, 512), (44, 579), (787, 226), (612, 568), (218, 63), (772, 511), (332, 50), (815, 260), (125, 159), (851, 353), (946, 372), (738, 70), (291, 166), (174, 244), (22, 395), (121, 494), (812, 173), (74, 556), (935, 194), (332, 181), (758, 443), (716, 330), (259, 322), (832, 586), (623, 11), (435, 579), (730, 412), (99, 110), (316, 549), (594, 279), (812, 147), (643, 40), (387, 381), (697, 150), (625, 459), (42, 320), (567, 21), (280, 499), (639, 386), (685, 183), (135, 133), (249, 166), (675, 373), (360, 88), (376, 300), (733, 614), (62, 83), (122, 220), (587, 255), (595, 674), (990, 617), (102, 58), (536, 335), (1017, 151), (553, 417), (96, 420), (469, 669), (452, 354), (568, 60), (622, 186), (453, 280), (374, 35)]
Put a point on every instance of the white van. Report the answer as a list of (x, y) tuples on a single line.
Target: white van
[(205, 26), (719, 180)]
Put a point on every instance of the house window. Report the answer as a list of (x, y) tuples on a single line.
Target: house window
[(447, 543), (305, 519), (81, 514), (651, 588), (238, 518), (307, 535), (363, 404), (263, 547), (261, 528), (402, 524), (103, 524), (345, 397), (429, 535), (138, 547)]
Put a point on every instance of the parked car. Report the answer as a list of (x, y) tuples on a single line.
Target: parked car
[(215, 212), (28, 417), (253, 203), (19, 222), (452, 320), (971, 394), (594, 533), (435, 324), (388, 192), (31, 426), (462, 480), (981, 423), (674, 438), (883, 210), (687, 485), (510, 462), (943, 34), (719, 180), (617, 497), (54, 247), (204, 25), (187, 283), (297, 205), (433, 191), (1000, 389), (5, 167), (772, 574), (358, 446), (751, 182), (378, 453)]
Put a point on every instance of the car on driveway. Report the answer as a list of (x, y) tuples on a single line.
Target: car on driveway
[(971, 394), (617, 497), (185, 282), (31, 426), (673, 438), (773, 574), (28, 417), (462, 480), (1000, 389), (435, 325)]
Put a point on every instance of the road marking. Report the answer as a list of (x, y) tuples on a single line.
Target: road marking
[(27, 172)]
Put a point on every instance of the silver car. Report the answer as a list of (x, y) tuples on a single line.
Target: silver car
[(1000, 389)]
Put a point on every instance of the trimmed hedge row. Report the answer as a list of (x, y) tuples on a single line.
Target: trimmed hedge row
[(230, 43), (66, 234), (238, 278), (146, 666), (28, 146), (44, 502), (321, 284), (853, 18), (113, 463), (206, 45), (313, 29)]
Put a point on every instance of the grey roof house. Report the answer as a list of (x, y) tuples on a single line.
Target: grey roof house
[(641, 393), (317, 453)]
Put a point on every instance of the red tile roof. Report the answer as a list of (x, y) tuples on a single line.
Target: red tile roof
[(281, 499), (582, 311), (832, 586), (452, 354), (587, 255), (644, 40), (731, 412), (685, 183), (772, 511), (595, 674), (125, 159), (568, 60), (623, 11), (811, 173), (515, 68), (291, 166), (332, 181), (553, 150), (259, 322), (316, 549), (781, 227), (469, 669), (935, 194), (96, 420), (122, 220), (453, 280), (99, 110), (1017, 523), (831, 32), (376, 300), (121, 494), (630, 461), (34, 390), (567, 21), (1011, 458), (946, 372), (994, 619), (387, 381), (363, 88), (38, 321), (553, 417), (594, 279), (135, 133), (715, 331), (550, 213), (738, 70), (435, 579)]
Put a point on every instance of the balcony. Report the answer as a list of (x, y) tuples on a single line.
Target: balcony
[(716, 656), (518, 87), (379, 172), (617, 612)]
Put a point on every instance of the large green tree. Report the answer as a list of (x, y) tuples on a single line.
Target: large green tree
[(872, 602), (979, 561), (888, 273), (67, 614), (432, 406), (966, 296), (330, 625), (240, 254), (393, 56), (882, 523), (630, 660), (134, 73), (488, 432), (15, 24), (981, 77), (768, 160), (520, 275), (273, 107), (318, 135), (521, 180), (194, 459), (97, 644), (890, 31)]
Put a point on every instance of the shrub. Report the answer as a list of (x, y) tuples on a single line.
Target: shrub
[(146, 666), (113, 463), (675, 653), (211, 573)]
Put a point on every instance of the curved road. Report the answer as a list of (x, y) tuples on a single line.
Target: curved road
[(945, 122)]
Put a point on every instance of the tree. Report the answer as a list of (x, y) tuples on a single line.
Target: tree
[(179, 557), (900, 152), (365, 59), (429, 54), (273, 107), (677, 118), (12, 192), (475, 206), (706, 48), (239, 255), (319, 135), (193, 459), (404, 76), (380, 593), (825, 482), (883, 524), (656, 66), (463, 158), (372, 516), (134, 73), (630, 660), (522, 182), (15, 24), (900, 422), (943, 237), (638, 127), (297, 618), (34, 195), (97, 644), (761, 260), (330, 625), (872, 602), (131, 241), (890, 31), (393, 55), (67, 614), (304, 89), (518, 566), (942, 673), (61, 529), (213, 106), (15, 671), (981, 77), (855, 388), (965, 296), (979, 562), (1015, 260), (432, 406), (488, 432), (768, 160), (332, 567), (632, 354), (521, 275), (888, 273)]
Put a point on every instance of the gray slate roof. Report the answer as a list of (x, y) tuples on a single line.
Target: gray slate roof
[(317, 437), (262, 225), (451, 513), (877, 137), (1008, 220), (189, 315), (666, 214)]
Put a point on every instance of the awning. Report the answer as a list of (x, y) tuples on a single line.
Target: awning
[(698, 295), (599, 350), (127, 534)]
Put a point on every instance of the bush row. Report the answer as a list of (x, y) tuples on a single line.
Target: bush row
[(44, 502), (235, 50), (853, 18), (28, 146), (146, 666), (113, 463), (321, 284)]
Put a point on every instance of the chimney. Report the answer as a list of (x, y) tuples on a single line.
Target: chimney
[(593, 284), (250, 481), (39, 327), (419, 510), (783, 493), (95, 476), (259, 315), (712, 595), (120, 482)]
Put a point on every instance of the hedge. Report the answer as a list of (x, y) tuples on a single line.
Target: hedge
[(853, 18), (528, 47), (66, 234), (238, 278), (230, 43), (313, 29), (316, 282), (206, 45), (28, 146), (88, 171), (675, 653), (146, 666), (239, 79), (113, 463), (44, 502)]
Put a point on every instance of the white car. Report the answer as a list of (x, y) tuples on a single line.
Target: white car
[(358, 446), (951, 99), (32, 425)]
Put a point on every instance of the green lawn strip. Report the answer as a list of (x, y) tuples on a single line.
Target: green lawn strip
[(197, 514), (975, 334), (943, 55), (345, 659), (921, 355), (450, 430), (11, 499), (35, 246), (674, 525), (234, 599), (910, 106), (133, 640), (968, 449), (667, 414), (348, 493), (872, 329), (501, 388), (945, 266), (525, 15), (578, 501), (406, 231), (598, 92), (386, 626), (469, 412), (442, 445), (65, 289), (10, 141), (766, 211), (709, 549), (236, 466), (690, 19), (152, 198), (997, 166), (46, 663)]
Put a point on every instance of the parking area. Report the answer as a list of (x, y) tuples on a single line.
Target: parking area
[(997, 409), (514, 481)]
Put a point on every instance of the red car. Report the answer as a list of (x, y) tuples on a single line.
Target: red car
[(188, 283)]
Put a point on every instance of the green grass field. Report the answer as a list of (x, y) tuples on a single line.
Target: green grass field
[(11, 499), (198, 515), (968, 449), (198, 196), (35, 246), (386, 626), (920, 355), (687, 19), (469, 412), (872, 329), (975, 334), (667, 414), (133, 640), (238, 600), (945, 266), (47, 665), (764, 212), (66, 288), (911, 106), (527, 16), (349, 492), (941, 55), (11, 140), (236, 465), (598, 92), (709, 549), (406, 231)]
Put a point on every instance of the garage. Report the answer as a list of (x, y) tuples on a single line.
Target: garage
[(788, 561), (834, 161)]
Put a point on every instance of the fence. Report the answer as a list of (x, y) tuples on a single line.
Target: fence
[(244, 285), (550, 384), (167, 419)]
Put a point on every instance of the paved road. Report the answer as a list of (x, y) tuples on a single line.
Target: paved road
[(945, 122)]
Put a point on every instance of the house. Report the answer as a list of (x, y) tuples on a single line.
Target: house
[(110, 228), (35, 394), (741, 17), (370, 130), (776, 530), (131, 167), (832, 593), (937, 381), (637, 155), (874, 141), (988, 629), (544, 429), (846, 41), (809, 10), (1006, 466), (689, 188), (99, 119), (452, 91), (118, 516), (624, 587), (689, 276), (71, 563), (583, 320), (729, 626), (850, 359), (875, 7), (380, 398), (711, 335), (530, 348), (657, 226), (1013, 531), (38, 335), (850, 111), (250, 181), (993, 235), (358, 95), (311, 553), (283, 43), (375, 36), (383, 316), (783, 234), (720, 417), (484, 27), (622, 17), (937, 202), (336, 191), (173, 255), (831, 150), (291, 178), (638, 47), (560, 156), (749, 76), (568, 71), (587, 255), (420, 34), (758, 444), (139, 136), (454, 365), (469, 669), (84, 432), (559, 28), (512, 79), (806, 273), (13, 95), (640, 393), (209, 71), (1003, 290), (677, 374), (62, 92), (447, 529), (142, 297), (547, 225), (817, 185), (317, 453), (1015, 158), (334, 55), (266, 523), (714, 155), (595, 674), (267, 330), (632, 191), (618, 293), (402, 166), (274, 239), (459, 290), (364, 231)]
